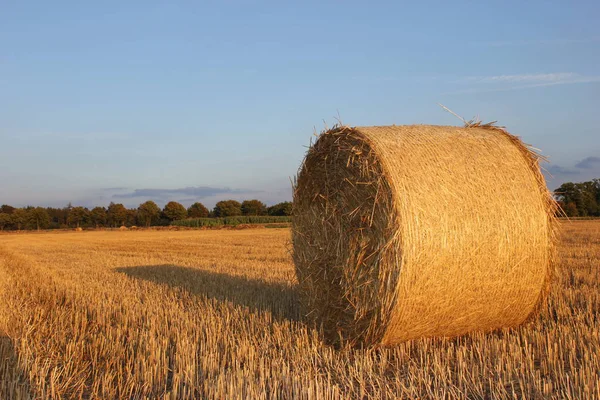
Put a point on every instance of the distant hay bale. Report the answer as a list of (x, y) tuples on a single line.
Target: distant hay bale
[(79, 229), (401, 232), (122, 228)]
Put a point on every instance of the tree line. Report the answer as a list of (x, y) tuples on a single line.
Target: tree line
[(575, 200), (116, 214), (579, 199)]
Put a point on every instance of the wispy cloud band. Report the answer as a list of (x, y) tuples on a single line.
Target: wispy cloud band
[(581, 169), (526, 78), (502, 83), (194, 191), (539, 42), (588, 163)]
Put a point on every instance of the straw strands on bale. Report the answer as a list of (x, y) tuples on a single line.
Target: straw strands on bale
[(401, 232)]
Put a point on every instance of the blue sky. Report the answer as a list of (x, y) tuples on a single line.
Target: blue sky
[(129, 101)]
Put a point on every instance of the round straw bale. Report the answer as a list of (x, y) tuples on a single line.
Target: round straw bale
[(401, 232)]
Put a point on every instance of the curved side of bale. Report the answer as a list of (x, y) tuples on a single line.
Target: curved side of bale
[(532, 158), (475, 228), (409, 231)]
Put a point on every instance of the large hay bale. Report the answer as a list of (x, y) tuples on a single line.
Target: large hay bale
[(402, 232)]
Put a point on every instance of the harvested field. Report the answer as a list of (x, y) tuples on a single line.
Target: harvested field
[(215, 314)]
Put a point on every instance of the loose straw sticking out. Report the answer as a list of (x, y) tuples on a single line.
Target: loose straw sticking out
[(473, 123), (402, 232), (453, 113)]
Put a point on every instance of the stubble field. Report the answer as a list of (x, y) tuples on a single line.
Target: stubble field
[(215, 314)]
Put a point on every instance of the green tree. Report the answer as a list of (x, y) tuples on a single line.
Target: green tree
[(570, 209), (38, 217), (58, 216), (253, 207), (568, 193), (5, 208), (227, 208), (197, 210), (66, 211), (19, 218), (174, 211), (98, 216), (281, 209), (5, 220), (131, 217), (148, 213), (78, 216), (585, 196), (589, 197), (116, 214)]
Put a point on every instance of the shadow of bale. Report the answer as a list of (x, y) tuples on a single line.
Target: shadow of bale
[(278, 298), (13, 381)]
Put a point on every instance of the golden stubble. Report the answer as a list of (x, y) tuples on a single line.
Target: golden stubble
[(215, 314)]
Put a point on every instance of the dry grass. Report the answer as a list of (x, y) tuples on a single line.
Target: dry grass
[(214, 314), (402, 232)]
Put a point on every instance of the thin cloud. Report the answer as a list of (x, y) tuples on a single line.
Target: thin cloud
[(525, 78), (538, 42), (196, 192), (558, 170), (503, 83), (581, 170), (588, 163), (72, 136)]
